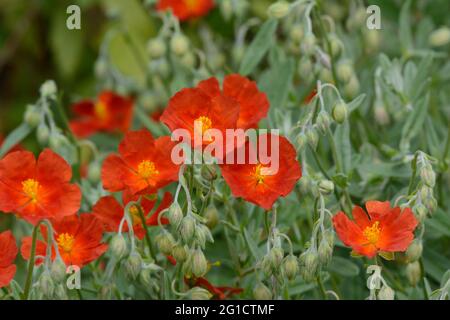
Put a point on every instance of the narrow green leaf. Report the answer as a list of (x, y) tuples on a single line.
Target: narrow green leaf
[(343, 267), (405, 35), (14, 138)]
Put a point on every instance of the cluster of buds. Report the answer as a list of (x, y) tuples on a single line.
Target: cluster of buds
[(378, 287)]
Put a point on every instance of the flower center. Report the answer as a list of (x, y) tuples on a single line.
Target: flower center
[(259, 176), (100, 110), (65, 242), (147, 169), (201, 124), (31, 187), (372, 233)]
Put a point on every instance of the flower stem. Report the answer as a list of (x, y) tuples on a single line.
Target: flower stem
[(29, 279), (321, 287), (147, 237)]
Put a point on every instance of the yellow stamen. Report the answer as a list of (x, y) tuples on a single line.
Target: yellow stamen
[(100, 110), (31, 187), (135, 216), (372, 233), (147, 169), (258, 174), (65, 242), (206, 124)]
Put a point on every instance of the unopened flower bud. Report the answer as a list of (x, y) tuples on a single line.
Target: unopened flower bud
[(57, 141), (48, 89), (175, 214), (430, 203), (32, 116), (199, 263), (326, 186), (428, 176), (309, 44), (118, 246), (325, 75), (276, 257), (198, 293), (238, 53), (336, 46), (58, 270), (42, 134), (296, 33), (212, 217), (165, 242), (421, 212), (179, 253), (386, 293), (156, 48), (344, 71), (133, 265), (340, 112), (188, 60), (381, 114), (46, 284), (94, 172), (279, 9), (266, 266), (301, 141), (325, 252), (352, 87), (226, 7), (290, 266), (312, 138), (305, 184), (414, 251), (187, 228), (308, 264), (305, 67), (146, 277), (440, 37), (261, 292), (179, 44), (323, 121), (413, 273)]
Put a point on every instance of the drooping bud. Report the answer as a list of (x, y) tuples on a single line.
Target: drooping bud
[(212, 217), (290, 267), (199, 263), (336, 46), (386, 293), (421, 212), (198, 293), (309, 261), (266, 266), (296, 33), (118, 246), (325, 75), (179, 44), (179, 253), (428, 176), (352, 87), (146, 277), (48, 89), (340, 112), (46, 284), (42, 134), (156, 48), (325, 251), (202, 234), (32, 116), (187, 228), (165, 242), (94, 172), (312, 138), (323, 121), (261, 292), (413, 273), (58, 270), (276, 255), (440, 37), (301, 141), (188, 60), (133, 265), (381, 114), (305, 184), (175, 214), (279, 9), (305, 67), (309, 44), (344, 71), (326, 186), (414, 251)]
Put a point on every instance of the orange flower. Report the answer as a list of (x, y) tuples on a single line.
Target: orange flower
[(186, 9), (109, 113), (220, 293), (109, 211), (78, 239), (255, 182), (239, 105), (8, 253), (40, 189), (142, 166), (381, 229)]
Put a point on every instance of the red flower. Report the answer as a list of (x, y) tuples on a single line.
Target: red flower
[(255, 182), (220, 293), (239, 105), (78, 238), (109, 113), (186, 9), (381, 229), (142, 166), (8, 253), (39, 189), (109, 211)]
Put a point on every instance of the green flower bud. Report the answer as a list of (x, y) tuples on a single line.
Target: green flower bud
[(261, 292), (312, 138), (199, 264), (179, 44), (305, 67), (188, 60), (208, 172), (309, 262), (46, 285), (48, 89), (198, 293), (414, 251), (323, 121), (336, 46), (212, 217), (100, 68), (133, 265), (175, 215), (42, 134), (326, 186), (428, 176), (61, 293), (94, 172), (238, 53), (440, 37), (276, 255), (352, 87), (421, 212), (356, 19), (290, 267), (279, 9), (413, 273), (156, 48), (296, 33), (340, 112), (226, 7), (266, 266), (325, 252), (118, 246), (179, 253), (305, 184), (58, 270), (57, 141), (32, 116), (381, 114), (386, 293), (187, 228), (372, 40), (301, 141), (165, 242), (149, 102), (344, 71), (430, 203), (309, 44), (146, 277), (325, 75)]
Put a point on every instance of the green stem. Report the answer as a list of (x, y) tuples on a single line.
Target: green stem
[(147, 236), (413, 177), (422, 269), (321, 287), (29, 278)]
